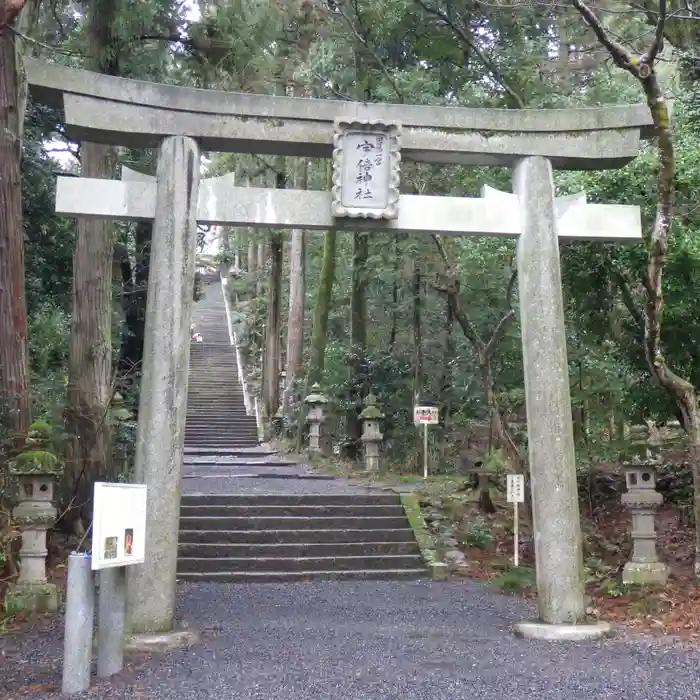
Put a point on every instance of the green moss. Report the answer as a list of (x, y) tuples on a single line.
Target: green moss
[(35, 462), (426, 544), (40, 429)]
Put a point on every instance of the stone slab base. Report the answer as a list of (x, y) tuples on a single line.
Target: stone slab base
[(438, 571), (32, 598), (158, 643), (562, 633), (645, 574)]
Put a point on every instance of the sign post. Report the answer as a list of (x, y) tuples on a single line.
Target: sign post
[(425, 416), (118, 541), (515, 494)]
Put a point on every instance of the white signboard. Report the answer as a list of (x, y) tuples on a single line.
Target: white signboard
[(426, 415), (118, 525), (515, 491), (366, 162), (365, 170)]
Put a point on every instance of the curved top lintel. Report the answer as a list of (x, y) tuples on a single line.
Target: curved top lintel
[(49, 81)]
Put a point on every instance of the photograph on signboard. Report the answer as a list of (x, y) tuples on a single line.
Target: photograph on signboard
[(111, 544), (129, 542), (119, 525)]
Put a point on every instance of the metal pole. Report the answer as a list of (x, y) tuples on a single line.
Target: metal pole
[(425, 450), (112, 616), (516, 537), (80, 612)]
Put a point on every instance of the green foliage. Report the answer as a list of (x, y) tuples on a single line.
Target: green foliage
[(615, 589), (478, 534), (515, 578)]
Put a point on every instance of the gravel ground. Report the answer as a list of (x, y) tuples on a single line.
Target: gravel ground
[(363, 641)]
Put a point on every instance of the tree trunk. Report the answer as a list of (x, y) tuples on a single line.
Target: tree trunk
[(395, 295), (260, 284), (323, 306), (15, 405), (90, 350), (88, 451), (132, 347), (252, 258), (271, 383), (447, 359), (358, 332), (417, 335)]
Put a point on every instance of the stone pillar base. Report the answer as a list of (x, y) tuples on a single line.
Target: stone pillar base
[(32, 598), (160, 643), (561, 633), (645, 573)]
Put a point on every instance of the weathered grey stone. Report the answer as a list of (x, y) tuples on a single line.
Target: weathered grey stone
[(562, 633), (34, 514), (558, 546), (372, 436), (454, 559), (316, 418), (642, 500), (159, 643), (163, 396), (141, 113), (220, 202)]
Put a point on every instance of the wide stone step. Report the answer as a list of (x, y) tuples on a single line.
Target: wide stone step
[(294, 511), (213, 441), (296, 550), (230, 425), (204, 451), (369, 499), (302, 576), (272, 536), (333, 563), (292, 523)]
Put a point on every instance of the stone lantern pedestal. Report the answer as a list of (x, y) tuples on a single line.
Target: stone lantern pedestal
[(316, 417), (642, 500), (34, 515), (371, 433)]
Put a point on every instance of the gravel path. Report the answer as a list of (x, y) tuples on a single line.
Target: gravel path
[(367, 641)]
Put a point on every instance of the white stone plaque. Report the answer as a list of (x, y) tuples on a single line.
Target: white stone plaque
[(366, 162), (426, 415), (118, 525), (515, 488)]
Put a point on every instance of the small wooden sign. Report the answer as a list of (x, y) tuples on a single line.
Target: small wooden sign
[(515, 488)]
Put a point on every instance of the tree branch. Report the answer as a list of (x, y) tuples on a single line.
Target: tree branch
[(468, 328), (498, 332), (378, 60), (627, 298), (485, 60)]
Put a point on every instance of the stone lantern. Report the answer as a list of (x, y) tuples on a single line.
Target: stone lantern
[(35, 470), (371, 433), (315, 417), (642, 499)]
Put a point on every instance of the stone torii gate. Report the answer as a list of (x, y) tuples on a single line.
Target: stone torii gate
[(367, 142)]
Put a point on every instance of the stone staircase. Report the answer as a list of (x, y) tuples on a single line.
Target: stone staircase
[(216, 414), (295, 538), (248, 515)]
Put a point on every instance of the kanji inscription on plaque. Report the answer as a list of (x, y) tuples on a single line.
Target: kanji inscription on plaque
[(366, 161)]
